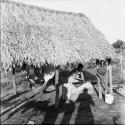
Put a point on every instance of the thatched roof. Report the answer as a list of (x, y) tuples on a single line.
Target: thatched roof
[(38, 35)]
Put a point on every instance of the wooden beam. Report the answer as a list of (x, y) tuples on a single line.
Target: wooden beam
[(121, 65), (14, 79), (99, 86), (106, 81), (57, 87), (110, 79)]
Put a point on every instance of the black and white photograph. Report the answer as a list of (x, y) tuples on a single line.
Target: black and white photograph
[(62, 62)]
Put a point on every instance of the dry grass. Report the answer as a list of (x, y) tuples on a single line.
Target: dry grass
[(37, 35)]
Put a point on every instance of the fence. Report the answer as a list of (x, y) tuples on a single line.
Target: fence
[(6, 81)]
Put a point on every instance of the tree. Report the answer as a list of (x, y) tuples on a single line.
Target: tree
[(118, 44)]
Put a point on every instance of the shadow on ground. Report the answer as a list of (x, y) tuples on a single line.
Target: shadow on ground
[(85, 115), (66, 113), (10, 101)]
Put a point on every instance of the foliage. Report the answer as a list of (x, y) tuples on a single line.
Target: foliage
[(119, 45)]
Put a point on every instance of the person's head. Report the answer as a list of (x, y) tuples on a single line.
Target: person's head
[(80, 67), (108, 61), (98, 62), (85, 90)]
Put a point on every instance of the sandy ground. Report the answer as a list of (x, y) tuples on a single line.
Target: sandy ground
[(39, 108)]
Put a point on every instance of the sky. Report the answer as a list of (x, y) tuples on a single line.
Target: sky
[(108, 16)]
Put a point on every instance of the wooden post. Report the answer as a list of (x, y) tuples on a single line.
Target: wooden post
[(99, 87), (121, 65), (106, 81), (99, 84), (110, 78), (57, 87), (14, 79)]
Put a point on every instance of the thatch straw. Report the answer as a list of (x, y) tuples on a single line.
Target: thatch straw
[(38, 35)]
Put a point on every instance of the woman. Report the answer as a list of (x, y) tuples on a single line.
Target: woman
[(76, 84)]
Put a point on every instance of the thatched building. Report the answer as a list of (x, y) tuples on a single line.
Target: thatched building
[(38, 35)]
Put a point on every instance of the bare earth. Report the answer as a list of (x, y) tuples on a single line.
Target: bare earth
[(39, 107)]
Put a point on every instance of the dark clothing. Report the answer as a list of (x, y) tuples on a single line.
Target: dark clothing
[(75, 71), (35, 75)]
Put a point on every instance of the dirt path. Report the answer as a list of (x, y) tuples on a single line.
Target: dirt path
[(38, 106), (11, 102), (86, 110)]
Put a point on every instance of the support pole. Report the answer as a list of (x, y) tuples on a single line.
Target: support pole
[(99, 87), (106, 81), (121, 66), (110, 79), (57, 87), (14, 79)]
